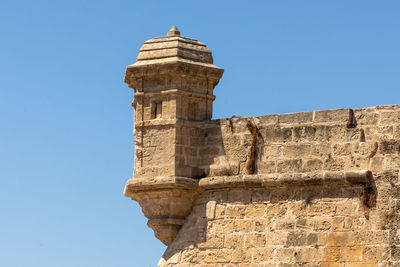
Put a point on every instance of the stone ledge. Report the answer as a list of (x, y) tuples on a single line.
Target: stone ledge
[(162, 182), (323, 178), (176, 91), (169, 123), (172, 65)]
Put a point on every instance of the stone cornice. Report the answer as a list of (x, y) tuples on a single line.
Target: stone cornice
[(317, 178), (175, 92), (169, 122), (171, 66), (138, 185)]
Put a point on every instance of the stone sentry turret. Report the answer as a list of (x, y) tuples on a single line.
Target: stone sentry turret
[(173, 78), (316, 188)]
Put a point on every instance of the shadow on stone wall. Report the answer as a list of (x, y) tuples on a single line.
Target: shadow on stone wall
[(229, 147)]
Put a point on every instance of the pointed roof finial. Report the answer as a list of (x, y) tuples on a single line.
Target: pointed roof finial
[(174, 31)]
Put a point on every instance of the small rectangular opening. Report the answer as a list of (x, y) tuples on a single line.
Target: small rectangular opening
[(157, 110)]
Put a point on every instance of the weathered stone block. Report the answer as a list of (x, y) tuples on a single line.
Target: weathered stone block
[(273, 151), (255, 240), (234, 241), (366, 117), (296, 151), (218, 255), (389, 147), (305, 255), (255, 210), (278, 135), (235, 211), (292, 165), (304, 133), (243, 226), (212, 241), (351, 253), (263, 254), (390, 117), (318, 209), (329, 254), (276, 238), (322, 223), (312, 165), (372, 237), (296, 118), (296, 239), (379, 132), (343, 116), (285, 254), (241, 255), (268, 166), (340, 239)]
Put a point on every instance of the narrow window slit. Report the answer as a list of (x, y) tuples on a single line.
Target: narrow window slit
[(158, 110)]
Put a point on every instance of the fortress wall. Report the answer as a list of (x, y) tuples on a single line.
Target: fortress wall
[(285, 222), (303, 142)]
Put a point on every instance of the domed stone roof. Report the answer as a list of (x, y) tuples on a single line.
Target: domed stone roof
[(172, 54), (172, 48)]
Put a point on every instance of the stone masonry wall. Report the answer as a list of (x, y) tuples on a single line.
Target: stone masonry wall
[(301, 142), (294, 223)]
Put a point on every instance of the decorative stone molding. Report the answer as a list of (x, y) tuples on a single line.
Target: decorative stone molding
[(165, 201), (317, 178)]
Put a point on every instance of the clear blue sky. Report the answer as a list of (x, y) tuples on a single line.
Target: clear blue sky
[(66, 144)]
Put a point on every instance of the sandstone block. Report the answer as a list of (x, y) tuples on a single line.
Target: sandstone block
[(285, 255), (263, 254), (296, 239), (390, 117), (296, 151), (310, 165), (389, 147), (218, 255), (343, 116), (294, 165), (255, 240), (305, 255), (212, 241), (276, 238), (278, 135), (318, 209), (322, 223), (304, 133), (242, 255), (329, 254), (243, 225), (366, 117), (376, 253), (268, 166), (255, 210), (296, 118), (340, 239), (235, 211), (352, 253), (234, 241)]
